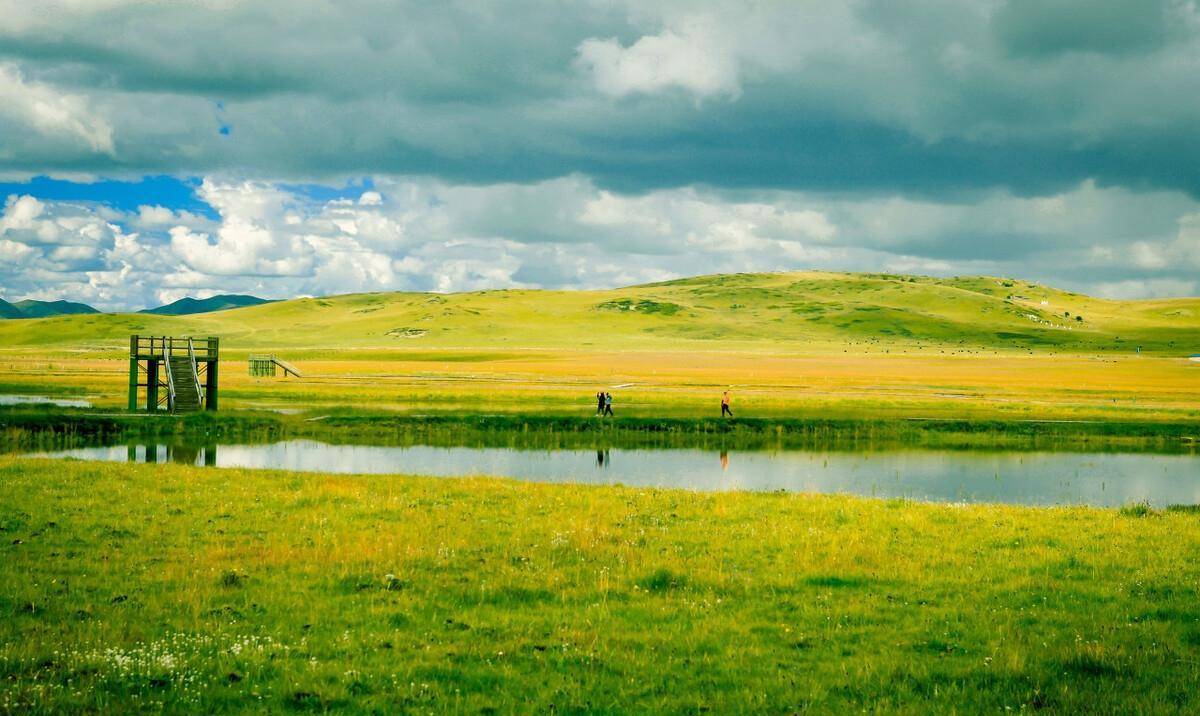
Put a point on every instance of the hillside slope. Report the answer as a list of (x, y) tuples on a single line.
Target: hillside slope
[(188, 306), (30, 308), (787, 311)]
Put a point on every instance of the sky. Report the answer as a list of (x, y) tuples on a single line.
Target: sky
[(152, 150)]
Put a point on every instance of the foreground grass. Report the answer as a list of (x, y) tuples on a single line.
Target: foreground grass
[(130, 588)]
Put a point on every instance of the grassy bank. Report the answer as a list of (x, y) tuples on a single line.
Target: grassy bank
[(32, 428), (130, 588)]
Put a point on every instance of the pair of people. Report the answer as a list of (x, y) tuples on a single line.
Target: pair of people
[(604, 404)]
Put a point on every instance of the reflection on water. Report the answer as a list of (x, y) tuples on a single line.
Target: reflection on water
[(1040, 478), (184, 454), (44, 400)]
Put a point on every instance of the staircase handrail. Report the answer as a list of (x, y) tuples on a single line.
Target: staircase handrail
[(195, 371), (170, 378)]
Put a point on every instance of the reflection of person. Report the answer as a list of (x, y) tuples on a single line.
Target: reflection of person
[(599, 458), (724, 460), (725, 401)]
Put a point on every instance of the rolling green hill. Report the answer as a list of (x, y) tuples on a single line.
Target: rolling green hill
[(29, 308), (187, 306), (7, 310), (799, 312)]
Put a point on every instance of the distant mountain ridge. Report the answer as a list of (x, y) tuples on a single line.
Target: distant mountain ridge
[(7, 310), (188, 306), (29, 308)]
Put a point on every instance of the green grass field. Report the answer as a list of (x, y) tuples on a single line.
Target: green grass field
[(787, 311), (147, 588)]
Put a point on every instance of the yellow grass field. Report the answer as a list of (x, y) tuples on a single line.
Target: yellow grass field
[(680, 384), (794, 345)]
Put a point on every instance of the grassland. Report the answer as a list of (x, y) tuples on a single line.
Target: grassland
[(742, 311), (142, 588), (800, 345), (129, 588)]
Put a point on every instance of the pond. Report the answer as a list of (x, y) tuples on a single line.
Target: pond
[(44, 400), (1031, 478)]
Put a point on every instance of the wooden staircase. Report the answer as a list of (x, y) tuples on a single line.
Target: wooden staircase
[(176, 373), (184, 384)]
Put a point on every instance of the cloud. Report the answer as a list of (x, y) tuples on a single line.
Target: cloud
[(246, 242), (52, 113), (1045, 28), (1147, 288), (48, 248), (419, 233), (939, 97), (21, 213), (443, 146), (13, 252), (693, 59), (1182, 252)]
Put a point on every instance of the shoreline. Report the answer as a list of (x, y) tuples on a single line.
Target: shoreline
[(24, 426)]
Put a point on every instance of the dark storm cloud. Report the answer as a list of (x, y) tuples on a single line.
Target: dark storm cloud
[(1042, 28), (920, 97), (323, 146)]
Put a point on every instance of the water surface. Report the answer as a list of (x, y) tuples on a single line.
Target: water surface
[(1032, 478), (44, 400)]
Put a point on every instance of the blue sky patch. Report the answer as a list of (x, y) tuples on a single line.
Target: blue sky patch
[(161, 190)]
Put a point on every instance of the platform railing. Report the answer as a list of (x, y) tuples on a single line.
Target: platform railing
[(147, 347), (166, 359), (195, 372)]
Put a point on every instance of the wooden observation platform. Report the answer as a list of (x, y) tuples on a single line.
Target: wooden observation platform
[(178, 374), (264, 366)]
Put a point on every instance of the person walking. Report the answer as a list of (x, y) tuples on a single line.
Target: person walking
[(600, 402), (725, 402), (608, 404)]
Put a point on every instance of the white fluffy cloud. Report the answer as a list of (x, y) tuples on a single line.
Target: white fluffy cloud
[(51, 112), (692, 58), (1181, 252), (406, 233)]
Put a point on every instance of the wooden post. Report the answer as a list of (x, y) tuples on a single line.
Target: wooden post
[(133, 373), (152, 386), (210, 386), (210, 374)]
